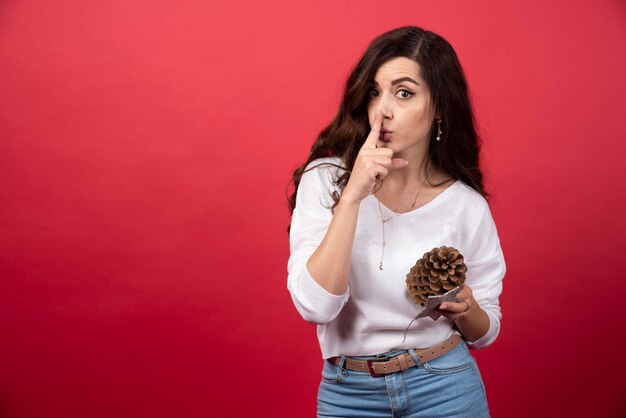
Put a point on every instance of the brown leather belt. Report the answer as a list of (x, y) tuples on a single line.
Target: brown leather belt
[(378, 368)]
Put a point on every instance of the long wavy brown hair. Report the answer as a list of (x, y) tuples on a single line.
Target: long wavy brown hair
[(457, 154)]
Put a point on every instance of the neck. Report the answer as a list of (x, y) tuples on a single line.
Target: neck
[(413, 173)]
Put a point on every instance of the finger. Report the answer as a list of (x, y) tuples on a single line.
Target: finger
[(379, 159), (381, 172), (398, 163), (372, 138), (384, 152), (465, 292), (454, 307), (451, 316)]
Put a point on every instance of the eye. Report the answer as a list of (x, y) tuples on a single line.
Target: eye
[(373, 93), (404, 94)]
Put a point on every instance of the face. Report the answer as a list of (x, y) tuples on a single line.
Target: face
[(404, 98)]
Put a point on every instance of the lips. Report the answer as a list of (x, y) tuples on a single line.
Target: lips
[(385, 135)]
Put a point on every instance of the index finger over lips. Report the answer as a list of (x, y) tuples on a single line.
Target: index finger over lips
[(372, 138)]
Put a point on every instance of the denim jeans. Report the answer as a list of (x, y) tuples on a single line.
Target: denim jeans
[(448, 386)]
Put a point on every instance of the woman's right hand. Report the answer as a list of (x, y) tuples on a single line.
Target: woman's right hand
[(371, 165)]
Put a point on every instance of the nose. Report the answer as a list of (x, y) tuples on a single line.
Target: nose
[(385, 106)]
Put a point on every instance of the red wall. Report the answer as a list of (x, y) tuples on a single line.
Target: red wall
[(145, 151)]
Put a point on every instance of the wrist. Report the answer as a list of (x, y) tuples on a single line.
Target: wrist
[(346, 200), (474, 325), (473, 307)]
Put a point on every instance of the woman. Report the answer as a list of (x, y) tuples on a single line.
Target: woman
[(394, 175)]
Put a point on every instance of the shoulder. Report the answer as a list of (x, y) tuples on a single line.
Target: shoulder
[(320, 176), (326, 163), (325, 170), (469, 204), (477, 232)]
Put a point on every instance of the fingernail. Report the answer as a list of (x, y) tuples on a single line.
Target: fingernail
[(406, 163), (443, 306)]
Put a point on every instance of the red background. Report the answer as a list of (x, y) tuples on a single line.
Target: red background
[(146, 148)]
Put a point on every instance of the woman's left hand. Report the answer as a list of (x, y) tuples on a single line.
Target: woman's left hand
[(456, 310)]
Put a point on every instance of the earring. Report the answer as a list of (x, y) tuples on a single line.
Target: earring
[(438, 130)]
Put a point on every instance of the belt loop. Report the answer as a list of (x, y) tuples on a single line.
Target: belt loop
[(342, 361), (417, 361)]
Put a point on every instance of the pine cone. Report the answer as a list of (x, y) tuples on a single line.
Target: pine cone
[(440, 270)]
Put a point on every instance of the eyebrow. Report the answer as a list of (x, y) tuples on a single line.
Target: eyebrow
[(399, 80)]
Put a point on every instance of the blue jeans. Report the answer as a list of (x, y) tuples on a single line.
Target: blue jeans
[(448, 386)]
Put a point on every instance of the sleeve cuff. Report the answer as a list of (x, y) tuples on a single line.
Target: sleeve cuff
[(489, 337), (322, 305)]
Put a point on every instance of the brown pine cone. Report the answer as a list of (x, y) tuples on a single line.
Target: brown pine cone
[(439, 270)]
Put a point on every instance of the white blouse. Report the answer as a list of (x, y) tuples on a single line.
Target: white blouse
[(372, 315)]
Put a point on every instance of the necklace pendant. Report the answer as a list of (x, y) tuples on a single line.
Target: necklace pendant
[(381, 266)]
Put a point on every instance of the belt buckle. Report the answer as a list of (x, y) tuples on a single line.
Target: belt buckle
[(371, 369)]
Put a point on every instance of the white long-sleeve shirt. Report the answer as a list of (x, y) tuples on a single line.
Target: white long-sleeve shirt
[(372, 315)]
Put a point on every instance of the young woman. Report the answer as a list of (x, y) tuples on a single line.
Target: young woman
[(394, 175)]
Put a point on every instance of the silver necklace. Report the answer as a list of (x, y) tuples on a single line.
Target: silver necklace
[(384, 221)]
